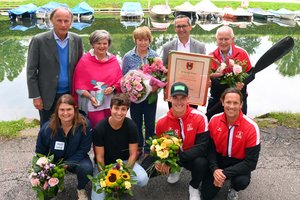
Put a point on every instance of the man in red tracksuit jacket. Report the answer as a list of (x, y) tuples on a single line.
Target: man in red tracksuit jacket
[(233, 148), (191, 126), (226, 50)]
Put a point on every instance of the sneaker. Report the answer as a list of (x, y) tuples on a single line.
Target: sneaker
[(174, 177), (194, 193), (82, 195), (232, 194)]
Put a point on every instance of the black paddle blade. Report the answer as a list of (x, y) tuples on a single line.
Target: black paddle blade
[(276, 52)]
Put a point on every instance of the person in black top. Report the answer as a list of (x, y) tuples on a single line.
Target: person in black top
[(116, 137)]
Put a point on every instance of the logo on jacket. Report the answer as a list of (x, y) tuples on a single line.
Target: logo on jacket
[(189, 127), (219, 129), (239, 135)]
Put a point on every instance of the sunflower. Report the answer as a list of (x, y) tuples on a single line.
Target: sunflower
[(112, 176), (126, 176)]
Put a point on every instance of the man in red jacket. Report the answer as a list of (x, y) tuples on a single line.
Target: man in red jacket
[(226, 50), (191, 126), (234, 147)]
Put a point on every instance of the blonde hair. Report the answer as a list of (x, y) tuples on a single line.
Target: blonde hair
[(142, 32)]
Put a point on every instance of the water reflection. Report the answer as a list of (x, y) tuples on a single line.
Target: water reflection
[(281, 79)]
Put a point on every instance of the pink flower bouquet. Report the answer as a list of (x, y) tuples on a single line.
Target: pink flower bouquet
[(156, 70), (233, 71), (136, 85), (45, 177)]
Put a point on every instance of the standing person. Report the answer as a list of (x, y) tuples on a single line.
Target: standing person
[(142, 112), (101, 66), (116, 137), (226, 50), (184, 42), (191, 126), (52, 57), (68, 136), (234, 147)]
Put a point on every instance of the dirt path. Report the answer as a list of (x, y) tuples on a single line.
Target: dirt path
[(276, 177)]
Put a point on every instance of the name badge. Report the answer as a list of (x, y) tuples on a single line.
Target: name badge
[(59, 145)]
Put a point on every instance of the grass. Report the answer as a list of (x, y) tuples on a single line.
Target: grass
[(118, 3), (11, 129), (291, 120)]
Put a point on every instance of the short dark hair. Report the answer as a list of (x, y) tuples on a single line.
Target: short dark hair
[(120, 99), (189, 21), (232, 90)]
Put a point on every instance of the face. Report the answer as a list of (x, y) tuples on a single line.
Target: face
[(179, 103), (232, 105), (61, 23), (142, 44), (118, 113), (101, 47), (182, 28), (66, 113), (224, 41)]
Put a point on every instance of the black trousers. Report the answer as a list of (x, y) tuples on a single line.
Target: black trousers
[(209, 190), (198, 168)]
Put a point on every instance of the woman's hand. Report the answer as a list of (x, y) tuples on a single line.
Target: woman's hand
[(109, 90), (94, 101), (239, 85), (162, 168)]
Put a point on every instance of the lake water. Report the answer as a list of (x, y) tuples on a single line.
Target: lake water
[(274, 89)]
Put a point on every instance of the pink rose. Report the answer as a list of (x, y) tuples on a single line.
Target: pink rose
[(53, 182), (42, 161), (237, 69), (133, 98), (139, 87), (35, 182), (45, 186), (128, 86), (138, 78)]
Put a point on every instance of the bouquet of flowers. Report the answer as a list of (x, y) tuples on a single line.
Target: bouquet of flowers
[(45, 177), (157, 70), (136, 85), (114, 180), (233, 71), (165, 149)]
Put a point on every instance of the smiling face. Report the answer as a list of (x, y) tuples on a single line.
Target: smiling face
[(179, 103), (118, 113), (182, 28), (101, 47), (66, 113), (232, 106), (142, 44), (62, 21), (224, 39)]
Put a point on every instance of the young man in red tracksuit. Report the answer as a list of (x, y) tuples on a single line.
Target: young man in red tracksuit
[(191, 126), (233, 149)]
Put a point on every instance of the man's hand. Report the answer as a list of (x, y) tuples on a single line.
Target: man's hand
[(38, 103), (162, 168), (219, 177), (239, 85)]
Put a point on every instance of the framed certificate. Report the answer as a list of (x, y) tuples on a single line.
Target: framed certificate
[(193, 70)]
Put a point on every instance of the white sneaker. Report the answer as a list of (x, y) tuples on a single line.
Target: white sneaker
[(194, 193), (232, 194), (82, 195), (174, 177)]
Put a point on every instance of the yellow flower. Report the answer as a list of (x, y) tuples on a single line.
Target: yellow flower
[(157, 148), (163, 154), (119, 161), (125, 176), (112, 176), (127, 185), (102, 183), (163, 145), (168, 142), (154, 142)]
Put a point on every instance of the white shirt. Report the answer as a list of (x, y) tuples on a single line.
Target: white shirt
[(181, 47)]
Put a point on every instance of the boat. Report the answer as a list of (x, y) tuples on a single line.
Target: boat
[(22, 25), (22, 12), (159, 11), (208, 25), (44, 11), (81, 25), (159, 24), (234, 23), (83, 11), (238, 14), (131, 10), (283, 13), (259, 13), (186, 9), (44, 23), (207, 10), (133, 22), (284, 22)]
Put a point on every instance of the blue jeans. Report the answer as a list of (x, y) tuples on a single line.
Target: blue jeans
[(144, 112), (141, 178), (84, 168)]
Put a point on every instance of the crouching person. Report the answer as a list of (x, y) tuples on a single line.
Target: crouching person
[(233, 149), (67, 135), (116, 137)]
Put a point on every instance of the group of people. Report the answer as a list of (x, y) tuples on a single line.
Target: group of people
[(63, 83)]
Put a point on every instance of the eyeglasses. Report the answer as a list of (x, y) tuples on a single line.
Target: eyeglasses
[(181, 26)]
